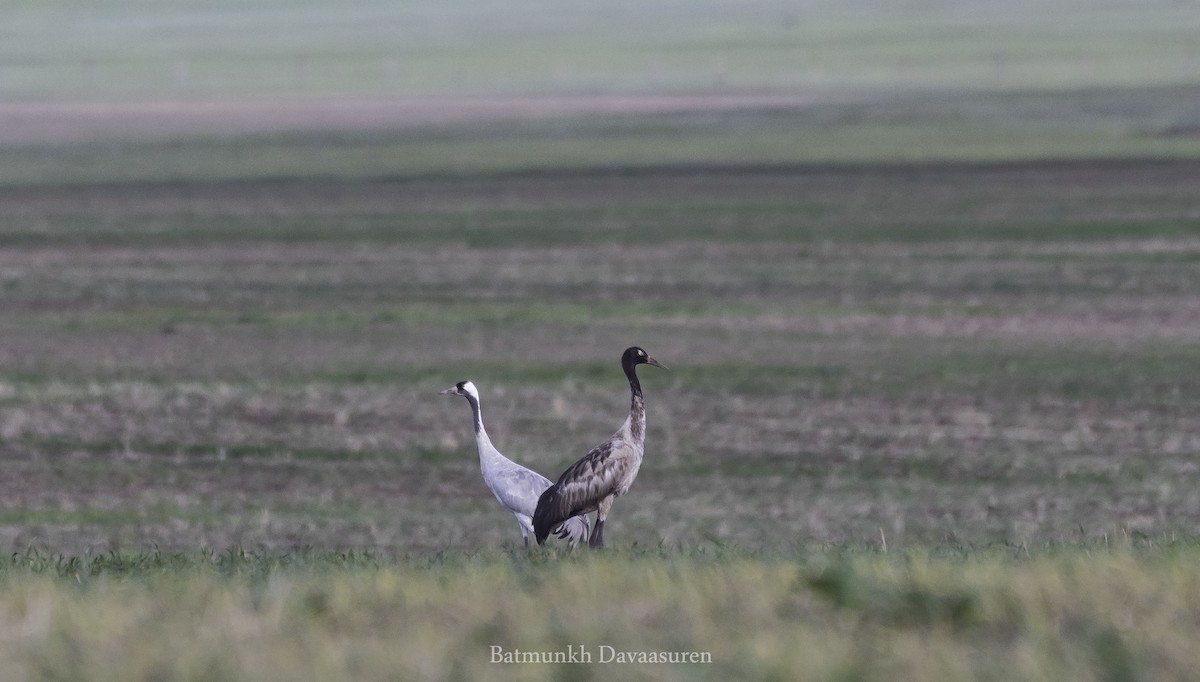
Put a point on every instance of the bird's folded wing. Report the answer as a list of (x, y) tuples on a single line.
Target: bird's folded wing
[(592, 478), (518, 488)]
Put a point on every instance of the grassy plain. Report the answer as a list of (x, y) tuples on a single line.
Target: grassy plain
[(925, 277), (923, 421)]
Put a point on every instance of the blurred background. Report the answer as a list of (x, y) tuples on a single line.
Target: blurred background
[(922, 270), (763, 81)]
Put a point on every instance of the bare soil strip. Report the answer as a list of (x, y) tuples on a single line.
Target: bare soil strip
[(31, 122)]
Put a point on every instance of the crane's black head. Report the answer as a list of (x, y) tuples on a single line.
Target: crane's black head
[(636, 356), (464, 388)]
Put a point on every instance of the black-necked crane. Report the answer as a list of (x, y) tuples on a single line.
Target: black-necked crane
[(515, 486), (604, 473)]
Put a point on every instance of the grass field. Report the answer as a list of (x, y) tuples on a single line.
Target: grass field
[(925, 278), (1084, 611)]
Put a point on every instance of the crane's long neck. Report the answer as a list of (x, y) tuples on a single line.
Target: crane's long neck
[(637, 407), (481, 438)]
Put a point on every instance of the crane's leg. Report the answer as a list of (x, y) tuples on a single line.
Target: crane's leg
[(526, 525), (597, 539)]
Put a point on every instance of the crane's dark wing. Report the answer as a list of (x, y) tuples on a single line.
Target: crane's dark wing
[(582, 486)]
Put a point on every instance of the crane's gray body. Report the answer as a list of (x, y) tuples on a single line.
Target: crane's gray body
[(516, 487)]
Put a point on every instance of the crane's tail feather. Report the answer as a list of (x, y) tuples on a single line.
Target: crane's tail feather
[(547, 516), (574, 530)]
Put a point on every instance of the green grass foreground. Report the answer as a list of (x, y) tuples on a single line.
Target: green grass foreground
[(1083, 611)]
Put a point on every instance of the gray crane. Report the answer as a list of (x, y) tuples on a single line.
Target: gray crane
[(606, 472), (515, 486)]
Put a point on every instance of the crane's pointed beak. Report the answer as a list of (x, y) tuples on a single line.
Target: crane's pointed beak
[(655, 363), (453, 390)]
